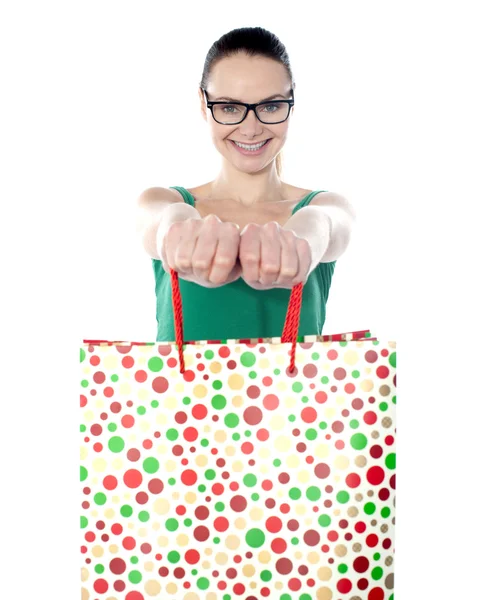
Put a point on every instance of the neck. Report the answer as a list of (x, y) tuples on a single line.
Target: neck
[(247, 188)]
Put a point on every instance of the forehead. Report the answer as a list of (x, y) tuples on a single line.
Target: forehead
[(248, 78)]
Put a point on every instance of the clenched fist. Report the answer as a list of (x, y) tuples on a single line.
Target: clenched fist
[(201, 250), (271, 256)]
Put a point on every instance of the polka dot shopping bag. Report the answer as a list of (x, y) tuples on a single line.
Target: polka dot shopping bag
[(238, 469)]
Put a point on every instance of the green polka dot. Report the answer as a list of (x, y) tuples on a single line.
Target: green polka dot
[(217, 385), (383, 406), (143, 516), (392, 359), (342, 568), (324, 520), (311, 434), (354, 424), (172, 435), (209, 354), (266, 575), (203, 583), (83, 473), (247, 359), (126, 510), (231, 420), (173, 556), (377, 573), (116, 444), (343, 497), (82, 355), (297, 387), (313, 493), (83, 522), (358, 441), (218, 402), (100, 498), (155, 364), (99, 569), (255, 538), (210, 474), (369, 508), (151, 465), (135, 577), (391, 461), (385, 512), (294, 493), (172, 524), (250, 480)]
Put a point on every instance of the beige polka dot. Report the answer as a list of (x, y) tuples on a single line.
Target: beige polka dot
[(324, 573), (85, 595), (357, 547), (153, 587), (200, 391), (384, 390), (360, 461), (390, 581), (340, 550), (358, 497), (389, 561), (387, 422), (375, 434), (235, 381), (384, 528), (352, 511), (324, 593)]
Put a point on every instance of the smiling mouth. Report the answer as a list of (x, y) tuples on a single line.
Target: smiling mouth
[(250, 146)]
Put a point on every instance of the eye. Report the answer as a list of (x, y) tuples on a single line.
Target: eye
[(229, 109)]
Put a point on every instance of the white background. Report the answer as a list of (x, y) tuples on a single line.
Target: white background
[(90, 94)]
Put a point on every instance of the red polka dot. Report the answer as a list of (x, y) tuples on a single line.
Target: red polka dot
[(376, 593), (382, 373), (189, 477), (353, 480), (308, 414), (370, 417), (101, 586), (160, 385), (344, 586), (132, 478), (375, 475)]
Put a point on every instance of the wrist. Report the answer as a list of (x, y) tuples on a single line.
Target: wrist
[(176, 211)]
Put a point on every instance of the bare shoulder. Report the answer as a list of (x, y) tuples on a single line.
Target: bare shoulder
[(160, 194)]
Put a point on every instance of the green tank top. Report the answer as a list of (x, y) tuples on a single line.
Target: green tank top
[(236, 310)]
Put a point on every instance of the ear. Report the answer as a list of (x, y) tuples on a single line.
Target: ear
[(203, 103)]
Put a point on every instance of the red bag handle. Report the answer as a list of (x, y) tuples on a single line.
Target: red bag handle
[(291, 325)]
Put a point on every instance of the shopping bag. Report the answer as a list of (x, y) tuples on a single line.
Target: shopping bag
[(226, 469)]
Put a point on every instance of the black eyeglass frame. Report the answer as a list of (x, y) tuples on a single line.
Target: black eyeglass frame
[(249, 107)]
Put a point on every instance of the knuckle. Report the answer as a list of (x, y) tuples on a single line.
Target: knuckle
[(269, 268)]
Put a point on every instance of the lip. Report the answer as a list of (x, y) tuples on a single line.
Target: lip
[(251, 143), (250, 152)]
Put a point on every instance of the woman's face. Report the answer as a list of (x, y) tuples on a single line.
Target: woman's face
[(248, 79)]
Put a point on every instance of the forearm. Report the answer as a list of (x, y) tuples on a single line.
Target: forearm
[(155, 215), (326, 229)]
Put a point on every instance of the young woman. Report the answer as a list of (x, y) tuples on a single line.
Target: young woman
[(241, 241)]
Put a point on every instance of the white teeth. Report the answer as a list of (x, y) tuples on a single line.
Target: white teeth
[(250, 147)]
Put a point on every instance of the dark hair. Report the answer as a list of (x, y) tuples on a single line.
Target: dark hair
[(253, 41)]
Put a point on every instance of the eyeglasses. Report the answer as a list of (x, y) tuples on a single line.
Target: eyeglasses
[(233, 113)]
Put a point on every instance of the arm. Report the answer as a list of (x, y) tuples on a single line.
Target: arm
[(156, 209), (326, 224)]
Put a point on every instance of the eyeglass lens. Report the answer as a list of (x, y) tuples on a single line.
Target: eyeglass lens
[(269, 112)]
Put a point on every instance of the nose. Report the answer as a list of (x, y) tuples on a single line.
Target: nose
[(251, 126)]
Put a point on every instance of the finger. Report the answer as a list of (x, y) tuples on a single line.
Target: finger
[(303, 251), (250, 252), (170, 244), (289, 259), (186, 245), (205, 247), (271, 250), (225, 257)]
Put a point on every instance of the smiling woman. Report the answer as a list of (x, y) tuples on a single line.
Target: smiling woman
[(241, 241)]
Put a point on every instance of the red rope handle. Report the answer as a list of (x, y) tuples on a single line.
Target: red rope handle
[(291, 325)]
